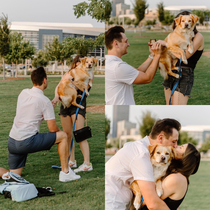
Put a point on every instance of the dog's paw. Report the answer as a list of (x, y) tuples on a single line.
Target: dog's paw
[(177, 76), (190, 50), (82, 107), (185, 61), (159, 192), (136, 205), (87, 93)]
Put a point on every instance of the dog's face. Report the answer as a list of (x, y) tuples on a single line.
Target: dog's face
[(161, 154), (89, 62), (186, 21)]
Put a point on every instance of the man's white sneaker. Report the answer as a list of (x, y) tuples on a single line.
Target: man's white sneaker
[(70, 176), (84, 167), (73, 164)]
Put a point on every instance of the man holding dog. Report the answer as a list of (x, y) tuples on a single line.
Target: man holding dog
[(32, 108), (119, 76), (132, 162)]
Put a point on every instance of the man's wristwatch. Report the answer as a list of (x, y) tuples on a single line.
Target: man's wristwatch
[(150, 56)]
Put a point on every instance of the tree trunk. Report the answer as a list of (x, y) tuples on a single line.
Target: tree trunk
[(25, 73), (16, 69), (3, 68)]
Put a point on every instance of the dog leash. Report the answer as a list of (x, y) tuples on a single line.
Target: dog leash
[(180, 76), (72, 142)]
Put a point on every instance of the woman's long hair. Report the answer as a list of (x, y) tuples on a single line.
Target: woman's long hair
[(183, 13), (76, 59), (188, 165)]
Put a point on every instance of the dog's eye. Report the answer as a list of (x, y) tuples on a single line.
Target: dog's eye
[(189, 20), (167, 153), (158, 153)]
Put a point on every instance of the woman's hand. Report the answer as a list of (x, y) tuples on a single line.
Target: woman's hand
[(55, 101)]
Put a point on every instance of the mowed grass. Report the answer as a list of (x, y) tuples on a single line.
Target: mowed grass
[(153, 93), (199, 189), (86, 193)]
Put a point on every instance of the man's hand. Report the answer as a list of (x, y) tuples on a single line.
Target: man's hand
[(162, 42), (55, 101)]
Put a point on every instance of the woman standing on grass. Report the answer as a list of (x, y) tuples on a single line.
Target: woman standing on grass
[(182, 91), (176, 181), (67, 116)]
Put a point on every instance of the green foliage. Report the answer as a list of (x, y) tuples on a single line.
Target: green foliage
[(4, 36), (139, 9), (54, 49), (27, 50), (107, 127), (128, 21), (184, 139), (150, 22), (205, 146), (40, 59), (146, 124), (201, 14), (161, 12), (168, 18), (97, 9)]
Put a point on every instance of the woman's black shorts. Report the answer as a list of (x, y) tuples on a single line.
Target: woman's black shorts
[(185, 83)]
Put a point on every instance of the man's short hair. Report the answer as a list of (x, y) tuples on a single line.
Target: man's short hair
[(38, 75), (166, 126), (112, 34)]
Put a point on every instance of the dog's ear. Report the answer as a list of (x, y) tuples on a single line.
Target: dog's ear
[(95, 60), (194, 18), (173, 152), (152, 148), (178, 20), (83, 60)]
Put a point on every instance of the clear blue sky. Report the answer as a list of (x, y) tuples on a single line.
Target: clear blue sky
[(60, 11), (153, 3)]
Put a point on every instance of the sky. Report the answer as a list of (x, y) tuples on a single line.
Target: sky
[(186, 115), (166, 3), (59, 11)]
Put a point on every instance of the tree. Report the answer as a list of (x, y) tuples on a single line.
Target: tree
[(54, 49), (107, 127), (97, 9), (139, 9), (4, 40), (168, 18), (184, 138), (40, 59), (146, 124), (161, 12), (205, 146), (26, 52), (14, 54)]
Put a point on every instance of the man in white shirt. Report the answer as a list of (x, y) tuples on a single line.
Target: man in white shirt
[(32, 108), (119, 76), (132, 162)]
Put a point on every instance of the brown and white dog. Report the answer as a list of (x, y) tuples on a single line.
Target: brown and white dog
[(178, 41), (67, 91), (78, 78), (83, 73), (161, 157)]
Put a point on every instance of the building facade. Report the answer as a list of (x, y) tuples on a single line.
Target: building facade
[(40, 33)]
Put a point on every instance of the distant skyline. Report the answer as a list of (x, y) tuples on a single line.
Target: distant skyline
[(45, 11), (153, 3), (186, 115)]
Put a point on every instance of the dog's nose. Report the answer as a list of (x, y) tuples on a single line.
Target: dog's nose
[(186, 25), (163, 158)]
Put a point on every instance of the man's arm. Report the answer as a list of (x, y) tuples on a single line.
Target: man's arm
[(148, 75), (150, 196), (52, 126)]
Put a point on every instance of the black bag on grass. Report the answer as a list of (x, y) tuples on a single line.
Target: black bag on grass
[(82, 134)]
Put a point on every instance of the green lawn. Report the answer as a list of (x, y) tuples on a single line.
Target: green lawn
[(86, 193), (197, 197), (153, 93)]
